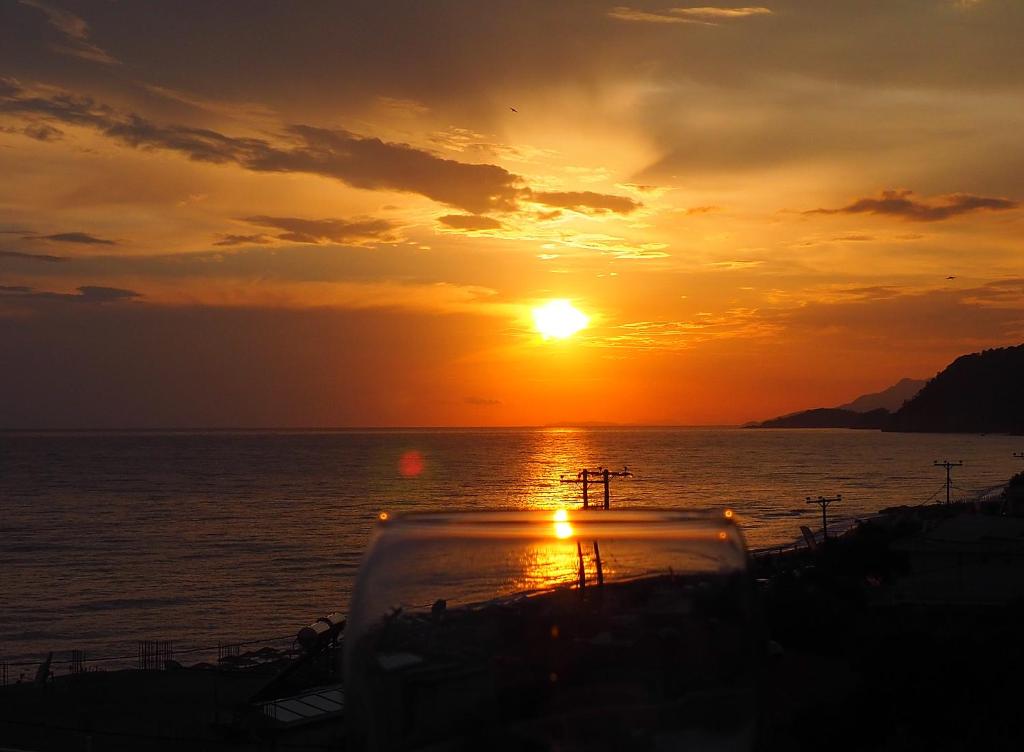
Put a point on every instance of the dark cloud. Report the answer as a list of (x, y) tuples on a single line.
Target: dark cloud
[(85, 294), (74, 34), (33, 256), (586, 202), (902, 204), (482, 401), (298, 230), (228, 240), (38, 131), (469, 222), (375, 164), (73, 237), (359, 161)]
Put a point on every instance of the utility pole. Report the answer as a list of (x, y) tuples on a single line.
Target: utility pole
[(948, 465), (586, 477), (823, 502)]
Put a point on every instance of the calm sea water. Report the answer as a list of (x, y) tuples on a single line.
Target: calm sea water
[(204, 537)]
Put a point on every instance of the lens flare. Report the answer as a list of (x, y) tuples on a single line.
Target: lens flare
[(411, 464)]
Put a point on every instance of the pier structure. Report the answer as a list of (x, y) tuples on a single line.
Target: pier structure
[(603, 476)]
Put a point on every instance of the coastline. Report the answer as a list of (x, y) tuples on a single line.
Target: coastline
[(831, 611)]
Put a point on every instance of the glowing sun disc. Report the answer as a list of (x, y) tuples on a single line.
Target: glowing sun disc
[(558, 319)]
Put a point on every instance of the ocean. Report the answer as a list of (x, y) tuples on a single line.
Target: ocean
[(208, 537)]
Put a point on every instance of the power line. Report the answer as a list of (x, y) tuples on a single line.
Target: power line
[(949, 466), (823, 502), (602, 475)]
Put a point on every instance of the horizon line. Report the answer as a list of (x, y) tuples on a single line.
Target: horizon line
[(310, 429)]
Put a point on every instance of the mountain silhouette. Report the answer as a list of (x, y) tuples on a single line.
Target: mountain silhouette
[(890, 399)]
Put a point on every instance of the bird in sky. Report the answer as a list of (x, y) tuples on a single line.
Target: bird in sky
[(951, 277), (513, 109)]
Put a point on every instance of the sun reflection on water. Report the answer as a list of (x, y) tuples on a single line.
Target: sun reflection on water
[(556, 451), (562, 527), (547, 564)]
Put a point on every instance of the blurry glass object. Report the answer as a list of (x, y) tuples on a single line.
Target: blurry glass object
[(543, 630)]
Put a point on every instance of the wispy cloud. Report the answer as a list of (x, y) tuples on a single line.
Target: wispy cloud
[(704, 16), (85, 294), (708, 13), (74, 32), (83, 238), (903, 204), (675, 335), (42, 257), (318, 231)]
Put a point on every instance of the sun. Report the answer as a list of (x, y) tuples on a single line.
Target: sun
[(558, 319)]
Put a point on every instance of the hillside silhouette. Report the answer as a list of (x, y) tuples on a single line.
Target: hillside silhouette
[(830, 417), (977, 393)]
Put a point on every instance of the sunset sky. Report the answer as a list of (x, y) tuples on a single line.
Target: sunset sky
[(343, 214)]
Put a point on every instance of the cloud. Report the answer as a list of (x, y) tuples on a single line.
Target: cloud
[(469, 222), (374, 164), (318, 231), (747, 323), (482, 401), (42, 132), (704, 16), (74, 33), (585, 202), (33, 256), (85, 294), (73, 237), (611, 245), (96, 294), (622, 13), (359, 161), (902, 204), (713, 13), (228, 240)]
